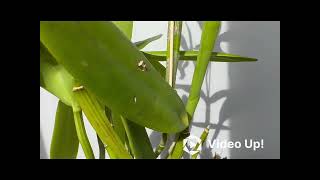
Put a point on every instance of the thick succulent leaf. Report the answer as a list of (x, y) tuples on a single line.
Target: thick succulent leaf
[(54, 78), (137, 140), (126, 27), (93, 52), (144, 43), (64, 143)]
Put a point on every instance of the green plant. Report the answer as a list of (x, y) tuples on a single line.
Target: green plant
[(94, 68)]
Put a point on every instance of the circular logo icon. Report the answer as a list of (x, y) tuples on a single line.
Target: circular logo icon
[(190, 143)]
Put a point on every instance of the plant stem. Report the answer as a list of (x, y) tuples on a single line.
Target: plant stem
[(162, 144), (208, 38), (203, 137), (81, 133), (173, 52), (97, 118)]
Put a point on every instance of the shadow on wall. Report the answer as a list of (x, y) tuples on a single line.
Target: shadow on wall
[(205, 96), (252, 103)]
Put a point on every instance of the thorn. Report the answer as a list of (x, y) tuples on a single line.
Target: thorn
[(77, 88)]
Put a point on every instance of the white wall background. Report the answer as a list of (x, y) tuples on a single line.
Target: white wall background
[(239, 100)]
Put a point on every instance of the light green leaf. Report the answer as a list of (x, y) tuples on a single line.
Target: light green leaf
[(126, 27), (144, 43), (54, 78), (192, 56), (93, 52), (64, 143)]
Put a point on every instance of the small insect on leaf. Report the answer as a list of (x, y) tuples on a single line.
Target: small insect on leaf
[(142, 65)]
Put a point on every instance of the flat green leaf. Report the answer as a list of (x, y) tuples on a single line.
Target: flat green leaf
[(192, 56), (56, 80), (138, 140), (144, 43), (93, 53), (141, 148), (118, 126), (64, 143)]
